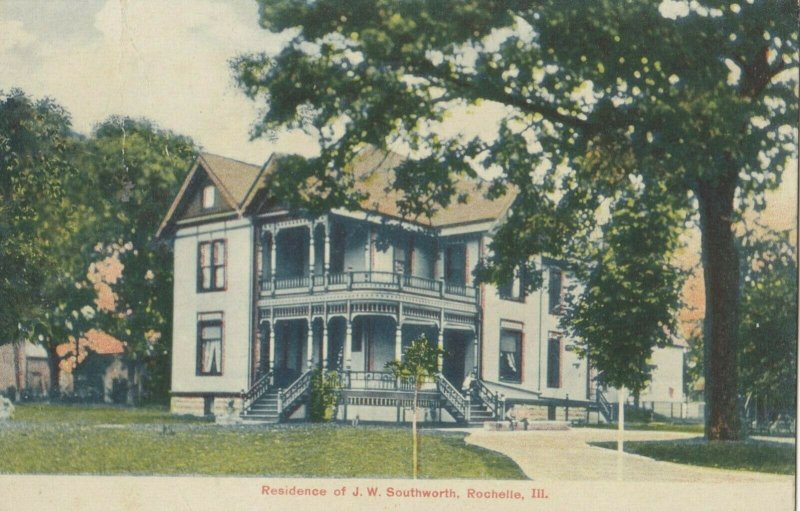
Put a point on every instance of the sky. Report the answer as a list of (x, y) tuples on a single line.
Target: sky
[(168, 61), (163, 60)]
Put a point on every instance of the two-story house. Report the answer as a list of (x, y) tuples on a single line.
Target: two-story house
[(264, 295)]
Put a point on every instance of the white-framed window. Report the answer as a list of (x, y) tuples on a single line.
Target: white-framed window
[(211, 265), (510, 355), (555, 290), (209, 197), (209, 344), (554, 360)]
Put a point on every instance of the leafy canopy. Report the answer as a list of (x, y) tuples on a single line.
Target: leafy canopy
[(691, 101)]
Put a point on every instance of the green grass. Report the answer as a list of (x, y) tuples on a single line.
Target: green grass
[(104, 440), (651, 426), (754, 456), (41, 413)]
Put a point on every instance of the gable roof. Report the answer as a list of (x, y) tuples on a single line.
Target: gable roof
[(373, 169), (233, 178)]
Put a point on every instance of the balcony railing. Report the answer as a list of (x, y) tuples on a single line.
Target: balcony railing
[(360, 280)]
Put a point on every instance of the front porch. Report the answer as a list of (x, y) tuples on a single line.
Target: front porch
[(357, 348)]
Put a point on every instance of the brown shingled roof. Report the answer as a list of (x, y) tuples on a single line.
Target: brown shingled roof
[(374, 175), (235, 176), (373, 170)]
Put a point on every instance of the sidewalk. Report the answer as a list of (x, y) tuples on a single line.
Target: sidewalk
[(566, 456)]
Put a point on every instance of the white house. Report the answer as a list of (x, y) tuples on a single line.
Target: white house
[(264, 295)]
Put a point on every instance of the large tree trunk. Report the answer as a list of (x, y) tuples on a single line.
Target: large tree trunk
[(53, 361), (721, 274)]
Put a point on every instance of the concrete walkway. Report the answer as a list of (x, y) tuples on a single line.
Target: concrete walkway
[(566, 456)]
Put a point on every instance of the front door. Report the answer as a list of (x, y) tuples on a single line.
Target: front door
[(453, 365)]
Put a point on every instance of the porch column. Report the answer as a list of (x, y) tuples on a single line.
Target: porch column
[(271, 338), (259, 257), (324, 344), (310, 343), (326, 254), (311, 256), (475, 353), (398, 341), (273, 241), (440, 343), (348, 344), (367, 244)]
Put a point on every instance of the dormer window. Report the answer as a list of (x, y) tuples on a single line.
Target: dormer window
[(208, 197)]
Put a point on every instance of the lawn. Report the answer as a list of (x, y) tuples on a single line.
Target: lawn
[(40, 413), (652, 426), (104, 440), (758, 456)]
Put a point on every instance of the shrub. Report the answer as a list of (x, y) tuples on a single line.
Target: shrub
[(324, 395)]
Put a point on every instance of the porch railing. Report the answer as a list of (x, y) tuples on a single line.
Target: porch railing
[(490, 399), (289, 396), (379, 380), (258, 389), (369, 280), (604, 407), (453, 396), (291, 283)]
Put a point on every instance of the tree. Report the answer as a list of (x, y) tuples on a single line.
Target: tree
[(587, 102), (768, 322), (131, 172), (630, 291), (420, 363), (35, 140)]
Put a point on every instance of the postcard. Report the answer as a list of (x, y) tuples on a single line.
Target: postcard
[(263, 254)]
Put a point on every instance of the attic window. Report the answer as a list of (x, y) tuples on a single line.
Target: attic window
[(208, 197)]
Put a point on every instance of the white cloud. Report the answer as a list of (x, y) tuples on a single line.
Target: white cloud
[(167, 61), (14, 36)]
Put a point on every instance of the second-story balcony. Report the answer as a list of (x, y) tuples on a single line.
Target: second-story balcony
[(367, 280)]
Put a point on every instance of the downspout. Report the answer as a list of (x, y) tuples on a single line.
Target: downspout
[(541, 305)]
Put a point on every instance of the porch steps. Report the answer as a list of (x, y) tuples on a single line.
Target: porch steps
[(479, 414), (265, 409)]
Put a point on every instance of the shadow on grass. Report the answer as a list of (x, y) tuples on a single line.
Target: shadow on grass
[(750, 455)]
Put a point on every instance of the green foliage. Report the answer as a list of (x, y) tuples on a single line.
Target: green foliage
[(767, 349), (35, 144), (752, 456), (324, 395), (69, 203), (420, 362), (706, 117), (768, 320), (133, 170), (631, 289)]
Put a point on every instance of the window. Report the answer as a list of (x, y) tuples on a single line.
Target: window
[(209, 197), (209, 344), (455, 264), (555, 291), (211, 265), (554, 361), (511, 356), (513, 289)]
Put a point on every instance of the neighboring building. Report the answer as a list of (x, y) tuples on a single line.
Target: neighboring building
[(264, 294), (95, 376), (24, 366)]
